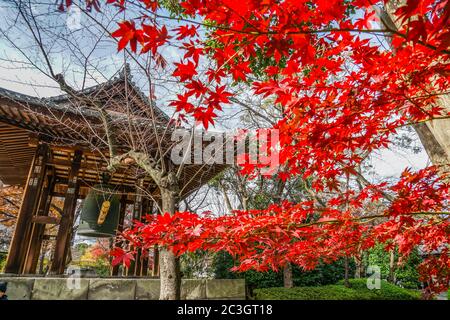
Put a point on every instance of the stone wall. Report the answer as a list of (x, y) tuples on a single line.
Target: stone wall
[(24, 288)]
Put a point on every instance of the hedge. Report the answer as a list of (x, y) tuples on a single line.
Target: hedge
[(323, 274), (357, 291)]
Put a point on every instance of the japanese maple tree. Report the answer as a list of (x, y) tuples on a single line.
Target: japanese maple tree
[(343, 95)]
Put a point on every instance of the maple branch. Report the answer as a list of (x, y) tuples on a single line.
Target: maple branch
[(372, 217), (362, 179), (327, 30), (363, 219), (252, 110)]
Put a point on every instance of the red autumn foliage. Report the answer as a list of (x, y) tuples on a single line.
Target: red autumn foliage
[(305, 234), (342, 95)]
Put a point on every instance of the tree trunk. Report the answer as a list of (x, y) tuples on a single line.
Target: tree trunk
[(392, 266), (359, 265), (287, 276), (347, 269), (225, 196), (434, 134), (435, 138), (169, 267)]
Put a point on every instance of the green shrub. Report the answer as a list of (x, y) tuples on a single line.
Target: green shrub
[(323, 274), (357, 291), (406, 274)]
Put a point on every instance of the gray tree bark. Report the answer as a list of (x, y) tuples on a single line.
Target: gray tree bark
[(434, 134), (288, 281), (346, 272), (359, 265), (170, 275), (392, 267)]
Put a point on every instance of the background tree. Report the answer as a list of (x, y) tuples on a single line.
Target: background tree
[(10, 200)]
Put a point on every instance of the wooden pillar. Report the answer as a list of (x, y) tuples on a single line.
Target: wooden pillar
[(38, 229), (144, 255), (22, 233), (135, 266), (155, 267), (123, 210), (66, 224)]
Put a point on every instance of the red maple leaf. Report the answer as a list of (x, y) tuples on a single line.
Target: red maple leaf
[(186, 31), (182, 104), (121, 256), (185, 71), (128, 34), (205, 116)]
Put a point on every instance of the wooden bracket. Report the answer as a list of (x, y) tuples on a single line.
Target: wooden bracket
[(45, 220)]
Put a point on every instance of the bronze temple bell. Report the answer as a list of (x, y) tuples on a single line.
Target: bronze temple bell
[(100, 213)]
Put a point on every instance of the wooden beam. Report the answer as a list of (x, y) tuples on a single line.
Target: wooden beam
[(48, 237), (66, 225), (85, 149), (119, 188), (62, 195), (39, 220), (22, 232), (45, 220)]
